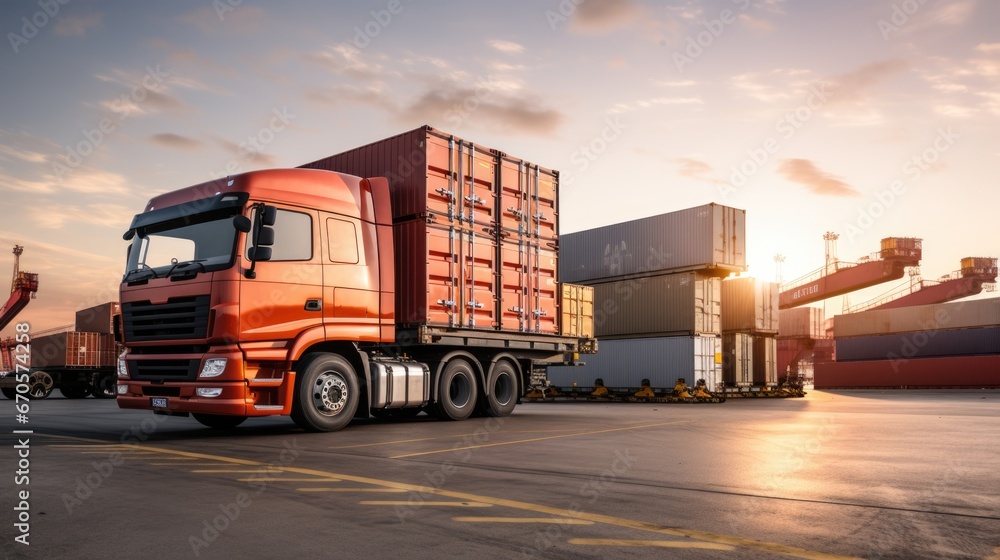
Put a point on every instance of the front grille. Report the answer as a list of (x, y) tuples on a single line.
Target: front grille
[(180, 318), (163, 370), (173, 349)]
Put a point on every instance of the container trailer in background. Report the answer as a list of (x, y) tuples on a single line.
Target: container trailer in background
[(78, 362), (414, 273)]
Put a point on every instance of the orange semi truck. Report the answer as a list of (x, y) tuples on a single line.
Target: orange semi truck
[(425, 280)]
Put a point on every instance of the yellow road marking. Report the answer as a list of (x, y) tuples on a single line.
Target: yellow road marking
[(535, 439), (707, 536), (116, 451), (406, 503), (661, 544), (555, 520), (996, 554), (87, 446), (387, 490), (190, 464), (277, 479), (266, 469)]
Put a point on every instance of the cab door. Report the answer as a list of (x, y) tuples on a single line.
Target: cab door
[(285, 298), (351, 296)]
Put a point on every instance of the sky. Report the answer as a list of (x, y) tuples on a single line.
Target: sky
[(866, 118)]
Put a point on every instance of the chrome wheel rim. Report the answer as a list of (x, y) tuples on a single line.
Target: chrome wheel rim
[(330, 394)]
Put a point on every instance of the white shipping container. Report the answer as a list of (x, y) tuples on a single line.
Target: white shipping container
[(801, 322), (737, 360), (941, 316), (749, 305), (666, 305), (709, 237), (624, 363)]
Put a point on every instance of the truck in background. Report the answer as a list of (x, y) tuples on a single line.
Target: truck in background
[(79, 360), (417, 273)]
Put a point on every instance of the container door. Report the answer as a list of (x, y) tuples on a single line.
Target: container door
[(542, 193), (543, 295), (513, 197), (478, 301), (514, 308)]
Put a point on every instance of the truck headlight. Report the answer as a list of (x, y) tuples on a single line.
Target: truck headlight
[(122, 368), (213, 367), (209, 392)]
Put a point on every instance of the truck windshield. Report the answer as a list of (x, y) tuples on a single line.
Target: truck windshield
[(198, 244)]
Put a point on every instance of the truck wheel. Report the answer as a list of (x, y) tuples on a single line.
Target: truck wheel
[(326, 394), (9, 392), (105, 386), (40, 385), (219, 421), (503, 390), (457, 392), (75, 391)]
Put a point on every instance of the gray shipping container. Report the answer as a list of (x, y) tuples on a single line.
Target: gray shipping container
[(765, 361), (710, 238), (99, 319), (940, 316), (737, 359), (801, 322), (749, 305), (667, 305), (924, 344), (624, 363)]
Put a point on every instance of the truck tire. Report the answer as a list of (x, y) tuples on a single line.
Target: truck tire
[(327, 393), (105, 386), (219, 421), (40, 385), (457, 391), (75, 391), (9, 392), (503, 390)]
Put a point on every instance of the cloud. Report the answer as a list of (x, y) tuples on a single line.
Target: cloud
[(857, 86), (249, 155), (344, 59), (696, 169), (26, 147), (604, 16), (777, 85), (77, 25), (506, 46), (176, 141), (103, 215), (142, 93), (756, 23), (805, 172), (84, 179), (504, 114), (625, 107)]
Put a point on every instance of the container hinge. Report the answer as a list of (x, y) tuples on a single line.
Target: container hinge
[(445, 192), (539, 313), (446, 302), (474, 199), (474, 304), (538, 216), (515, 212)]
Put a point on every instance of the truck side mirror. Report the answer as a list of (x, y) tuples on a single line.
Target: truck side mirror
[(242, 224), (269, 215), (256, 254), (262, 236)]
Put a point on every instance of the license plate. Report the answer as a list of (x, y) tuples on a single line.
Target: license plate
[(158, 402)]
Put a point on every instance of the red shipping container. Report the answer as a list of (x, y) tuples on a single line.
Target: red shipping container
[(429, 172), (950, 372), (74, 349), (445, 276)]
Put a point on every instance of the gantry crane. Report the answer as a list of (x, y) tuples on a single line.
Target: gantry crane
[(23, 286), (975, 275)]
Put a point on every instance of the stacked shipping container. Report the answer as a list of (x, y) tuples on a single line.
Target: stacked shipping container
[(941, 345), (476, 231), (657, 296), (749, 325), (799, 329)]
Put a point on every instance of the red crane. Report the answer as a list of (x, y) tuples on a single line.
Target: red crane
[(837, 278), (23, 286), (976, 274)]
